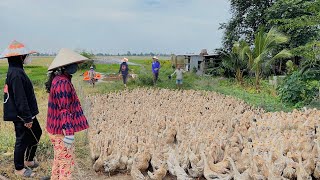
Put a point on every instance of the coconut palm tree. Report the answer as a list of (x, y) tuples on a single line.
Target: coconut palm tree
[(236, 60), (262, 53)]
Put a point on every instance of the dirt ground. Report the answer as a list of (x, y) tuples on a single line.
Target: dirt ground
[(83, 170)]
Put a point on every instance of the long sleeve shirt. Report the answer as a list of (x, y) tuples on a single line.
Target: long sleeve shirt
[(92, 73), (124, 68), (179, 73), (156, 66), (20, 102), (64, 109)]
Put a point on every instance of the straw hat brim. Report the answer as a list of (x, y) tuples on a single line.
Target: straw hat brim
[(16, 49), (125, 60), (66, 57)]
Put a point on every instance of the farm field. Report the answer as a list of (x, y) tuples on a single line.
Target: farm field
[(241, 108)]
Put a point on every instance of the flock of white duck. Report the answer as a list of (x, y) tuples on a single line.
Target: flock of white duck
[(152, 133)]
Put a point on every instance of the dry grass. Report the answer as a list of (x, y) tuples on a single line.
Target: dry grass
[(44, 154)]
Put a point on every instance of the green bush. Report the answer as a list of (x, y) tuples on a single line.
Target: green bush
[(145, 80), (194, 70), (89, 63), (86, 65), (298, 89)]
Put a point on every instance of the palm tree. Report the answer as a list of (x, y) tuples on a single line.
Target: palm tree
[(236, 60), (262, 53)]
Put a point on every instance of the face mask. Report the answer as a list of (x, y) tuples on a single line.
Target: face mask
[(71, 69), (27, 60)]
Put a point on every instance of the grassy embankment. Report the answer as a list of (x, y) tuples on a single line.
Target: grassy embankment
[(37, 72)]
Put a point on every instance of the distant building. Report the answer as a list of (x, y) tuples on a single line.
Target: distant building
[(203, 63)]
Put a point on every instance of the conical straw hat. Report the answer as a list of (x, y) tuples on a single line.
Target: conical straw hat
[(15, 49), (66, 57), (125, 59)]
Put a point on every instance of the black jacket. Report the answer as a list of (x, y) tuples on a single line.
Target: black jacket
[(124, 69), (19, 99)]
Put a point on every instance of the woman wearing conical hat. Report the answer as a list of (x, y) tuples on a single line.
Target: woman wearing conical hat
[(20, 106), (65, 116)]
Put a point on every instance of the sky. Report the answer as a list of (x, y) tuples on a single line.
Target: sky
[(114, 26)]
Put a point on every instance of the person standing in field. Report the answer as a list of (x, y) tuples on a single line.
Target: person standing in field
[(155, 69), (65, 115), (124, 71), (20, 106), (92, 75), (179, 76)]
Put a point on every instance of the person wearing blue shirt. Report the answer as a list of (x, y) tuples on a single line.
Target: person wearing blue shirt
[(124, 71), (155, 69)]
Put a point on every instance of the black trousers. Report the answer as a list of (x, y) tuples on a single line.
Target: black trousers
[(26, 142), (124, 78)]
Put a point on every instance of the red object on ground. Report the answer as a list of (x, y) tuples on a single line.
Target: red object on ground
[(87, 78)]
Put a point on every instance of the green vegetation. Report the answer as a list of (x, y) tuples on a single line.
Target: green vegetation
[(262, 56), (298, 89), (247, 17), (295, 44), (297, 18), (266, 98), (89, 63), (38, 75), (236, 61)]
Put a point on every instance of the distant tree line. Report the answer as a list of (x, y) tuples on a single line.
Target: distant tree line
[(133, 54), (112, 54)]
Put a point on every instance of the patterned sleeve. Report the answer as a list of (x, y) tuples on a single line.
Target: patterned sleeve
[(65, 96)]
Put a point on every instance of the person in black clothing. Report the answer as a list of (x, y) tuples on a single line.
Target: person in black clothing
[(20, 107), (124, 70)]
